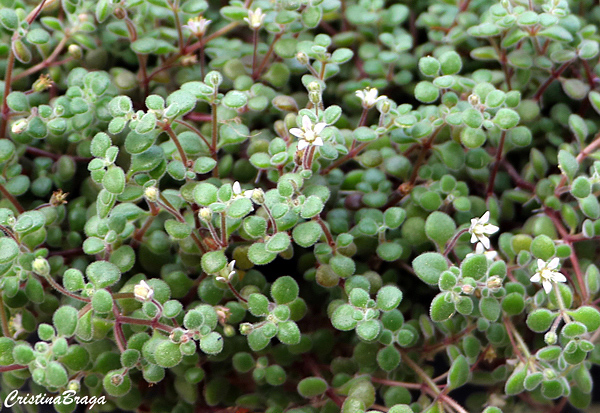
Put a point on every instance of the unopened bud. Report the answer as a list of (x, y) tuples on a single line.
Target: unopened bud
[(228, 330), (19, 126), (74, 385), (467, 289), (550, 338), (40, 266), (494, 283), (385, 107), (258, 196), (151, 193), (302, 58), (314, 87), (120, 13), (246, 328), (314, 97), (474, 99), (205, 214)]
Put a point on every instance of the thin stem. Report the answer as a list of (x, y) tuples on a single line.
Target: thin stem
[(178, 26), (139, 321), (453, 241), (271, 218), (171, 209), (512, 332), (413, 386), (54, 156), (12, 367), (553, 76), (119, 336), (193, 129), (12, 199), (236, 293), (4, 116), (182, 155), (60, 288), (419, 371), (256, 74), (46, 63), (345, 158), (223, 229), (327, 233), (5, 329), (255, 43), (490, 188), (561, 303), (214, 136)]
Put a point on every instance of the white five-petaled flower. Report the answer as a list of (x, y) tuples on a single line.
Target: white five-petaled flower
[(198, 25), (143, 292), (309, 134), (227, 273), (547, 274), (239, 193), (480, 249), (480, 229), (369, 97), (255, 18)]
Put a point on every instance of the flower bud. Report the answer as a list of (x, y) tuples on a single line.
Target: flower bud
[(302, 58), (314, 97), (19, 126), (40, 266), (205, 214), (550, 338), (258, 196), (467, 289), (74, 385), (75, 51), (246, 328), (494, 282), (474, 99), (385, 107), (151, 193), (228, 330)]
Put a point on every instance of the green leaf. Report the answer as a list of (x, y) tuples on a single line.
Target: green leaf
[(310, 387), (102, 274), (278, 242), (258, 254), (307, 233), (429, 266), (441, 309), (589, 316), (9, 250), (284, 290), (65, 320), (9, 19), (459, 372), (490, 308), (388, 298)]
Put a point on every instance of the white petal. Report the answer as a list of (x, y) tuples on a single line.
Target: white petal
[(473, 238), (306, 122), (541, 264), (297, 132), (559, 277), (318, 141), (237, 189), (490, 229), (485, 241), (302, 144), (485, 217), (535, 278), (553, 264), (382, 97), (319, 127), (360, 94), (247, 20), (547, 286), (479, 249), (474, 222)]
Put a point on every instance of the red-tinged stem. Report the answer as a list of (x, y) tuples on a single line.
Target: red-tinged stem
[(595, 144), (193, 129), (223, 229), (327, 233), (214, 136), (139, 321), (60, 288), (198, 117), (256, 73), (345, 158), (5, 329), (12, 367), (236, 293), (7, 82), (413, 386), (490, 189), (49, 61), (12, 199), (553, 76), (255, 43), (54, 156), (119, 336), (175, 139)]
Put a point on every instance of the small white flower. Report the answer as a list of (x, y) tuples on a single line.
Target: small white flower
[(198, 25), (369, 97), (309, 134), (255, 18), (143, 292), (480, 229), (227, 273), (547, 274), (480, 249), (16, 325), (238, 193)]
